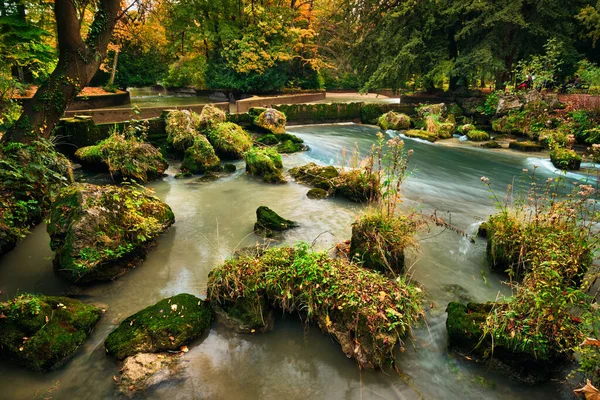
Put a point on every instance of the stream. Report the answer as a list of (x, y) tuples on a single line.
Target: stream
[(215, 218)]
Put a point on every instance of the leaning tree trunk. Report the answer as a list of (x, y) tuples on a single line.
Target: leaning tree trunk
[(78, 61)]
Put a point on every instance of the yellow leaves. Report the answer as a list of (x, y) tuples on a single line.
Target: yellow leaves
[(328, 322), (184, 349), (589, 391), (382, 296)]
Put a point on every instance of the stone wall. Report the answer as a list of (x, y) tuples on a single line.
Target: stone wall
[(108, 115), (243, 106)]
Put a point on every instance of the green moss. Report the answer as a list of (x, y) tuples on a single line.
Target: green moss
[(268, 222), (465, 129), (317, 194), (211, 116), (425, 110), (491, 145), (378, 242), (478, 136), (30, 175), (420, 134), (43, 332), (266, 163), (97, 232), (200, 157), (290, 147), (182, 128), (394, 121), (366, 312), (127, 158), (525, 146), (565, 159), (167, 325), (268, 140), (271, 120), (316, 175), (465, 327), (229, 140), (435, 124)]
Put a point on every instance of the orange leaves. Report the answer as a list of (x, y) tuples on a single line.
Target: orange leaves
[(590, 342), (589, 391)]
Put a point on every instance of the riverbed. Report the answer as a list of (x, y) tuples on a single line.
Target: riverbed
[(292, 362)]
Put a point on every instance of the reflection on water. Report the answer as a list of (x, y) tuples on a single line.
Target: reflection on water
[(214, 218)]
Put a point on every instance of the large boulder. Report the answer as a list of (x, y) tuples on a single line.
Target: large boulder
[(265, 163), (43, 332), (478, 136), (321, 177), (98, 232), (30, 175), (211, 115), (271, 120), (230, 140), (124, 157), (182, 128), (394, 121), (435, 124), (167, 325), (432, 109), (145, 371), (467, 334), (421, 134), (200, 157), (268, 222), (378, 242), (508, 103)]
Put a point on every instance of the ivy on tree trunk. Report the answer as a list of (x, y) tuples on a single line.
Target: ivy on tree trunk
[(78, 61)]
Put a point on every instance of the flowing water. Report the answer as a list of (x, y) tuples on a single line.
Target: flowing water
[(214, 218)]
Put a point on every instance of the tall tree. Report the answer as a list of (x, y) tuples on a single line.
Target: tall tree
[(78, 61)]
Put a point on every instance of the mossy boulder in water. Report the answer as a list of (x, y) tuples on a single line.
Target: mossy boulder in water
[(182, 128), (265, 163), (365, 311), (431, 109), (527, 147), (565, 159), (378, 242), (210, 116), (317, 194), (97, 232), (492, 144), (477, 136), (268, 222), (395, 121), (167, 325), (466, 128), (30, 175), (355, 185), (124, 157), (321, 177), (43, 332), (437, 125), (290, 147), (271, 120), (268, 140), (200, 157), (230, 140), (466, 334), (421, 134)]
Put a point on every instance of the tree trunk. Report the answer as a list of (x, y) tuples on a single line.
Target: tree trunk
[(113, 71), (77, 63)]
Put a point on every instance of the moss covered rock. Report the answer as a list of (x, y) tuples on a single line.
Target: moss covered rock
[(467, 335), (317, 194), (431, 109), (167, 325), (478, 136), (437, 125), (43, 332), (565, 159), (268, 140), (271, 120), (321, 177), (200, 157), (98, 232), (182, 128), (421, 134), (126, 158), (378, 242), (492, 144), (230, 140), (30, 175), (268, 222), (395, 121), (366, 312), (466, 128), (289, 146), (265, 163), (528, 147), (210, 116)]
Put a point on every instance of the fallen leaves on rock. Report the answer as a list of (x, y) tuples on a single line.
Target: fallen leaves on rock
[(589, 391)]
